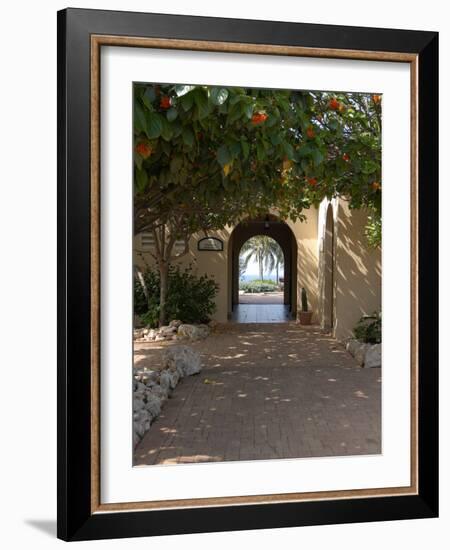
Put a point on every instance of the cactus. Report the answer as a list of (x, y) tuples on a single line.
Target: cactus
[(304, 300)]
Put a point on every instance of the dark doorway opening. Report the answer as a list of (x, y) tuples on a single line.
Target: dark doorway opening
[(279, 231)]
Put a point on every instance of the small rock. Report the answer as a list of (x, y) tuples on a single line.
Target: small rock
[(358, 350), (160, 392), (164, 380), (373, 356), (175, 323), (193, 332), (153, 405), (183, 358), (138, 404)]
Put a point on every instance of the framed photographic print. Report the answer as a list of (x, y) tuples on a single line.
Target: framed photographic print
[(247, 262)]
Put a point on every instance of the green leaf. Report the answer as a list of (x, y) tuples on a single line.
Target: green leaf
[(289, 151), (275, 138), (260, 152), (235, 149), (172, 114), (223, 155), (138, 160), (202, 103), (245, 148), (369, 167), (188, 137), (139, 118), (141, 180), (187, 101), (183, 89), (166, 131), (248, 110), (235, 112), (317, 157), (154, 125), (149, 97), (218, 95)]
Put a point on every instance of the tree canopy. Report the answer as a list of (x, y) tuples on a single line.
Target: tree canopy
[(204, 156)]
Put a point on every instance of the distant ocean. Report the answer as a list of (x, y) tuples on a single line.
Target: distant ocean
[(271, 277)]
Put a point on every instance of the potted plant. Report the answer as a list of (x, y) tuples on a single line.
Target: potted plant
[(304, 315)]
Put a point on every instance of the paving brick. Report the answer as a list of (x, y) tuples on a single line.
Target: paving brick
[(310, 399)]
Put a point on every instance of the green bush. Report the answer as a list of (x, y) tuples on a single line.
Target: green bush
[(190, 298), (258, 286), (368, 329)]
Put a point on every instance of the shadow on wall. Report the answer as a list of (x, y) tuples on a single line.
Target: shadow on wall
[(357, 272)]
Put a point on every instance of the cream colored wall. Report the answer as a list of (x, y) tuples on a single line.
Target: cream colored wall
[(211, 263), (357, 272), (307, 259)]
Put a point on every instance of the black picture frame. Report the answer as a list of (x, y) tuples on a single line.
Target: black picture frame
[(75, 475)]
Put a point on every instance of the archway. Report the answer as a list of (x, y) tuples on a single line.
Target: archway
[(328, 249), (261, 260), (280, 232)]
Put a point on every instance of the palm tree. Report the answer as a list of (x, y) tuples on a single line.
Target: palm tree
[(274, 259), (266, 251)]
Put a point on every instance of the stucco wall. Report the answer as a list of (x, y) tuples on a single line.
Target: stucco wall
[(357, 272), (213, 264), (307, 259), (216, 264), (356, 275)]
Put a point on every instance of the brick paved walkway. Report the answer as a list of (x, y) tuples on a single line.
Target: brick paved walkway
[(265, 392)]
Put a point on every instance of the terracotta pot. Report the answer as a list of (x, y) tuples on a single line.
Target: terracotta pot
[(304, 317)]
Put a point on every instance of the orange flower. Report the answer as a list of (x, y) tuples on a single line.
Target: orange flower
[(376, 186), (312, 181), (310, 132), (376, 98), (259, 117), (334, 104), (345, 157), (144, 149), (165, 102)]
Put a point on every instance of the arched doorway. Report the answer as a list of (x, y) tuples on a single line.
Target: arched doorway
[(328, 249), (280, 232)]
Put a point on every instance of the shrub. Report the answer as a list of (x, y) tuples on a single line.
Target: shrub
[(258, 286), (368, 329), (190, 298)]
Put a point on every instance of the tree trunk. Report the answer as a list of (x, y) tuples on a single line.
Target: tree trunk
[(163, 284), (141, 280), (278, 279)]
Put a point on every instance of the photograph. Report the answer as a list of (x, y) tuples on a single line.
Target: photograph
[(257, 273)]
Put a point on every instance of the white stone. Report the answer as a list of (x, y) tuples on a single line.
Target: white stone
[(174, 379), (357, 349), (360, 352), (373, 356), (164, 380), (153, 405), (145, 376), (160, 392), (193, 332), (167, 331), (182, 358), (138, 404)]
